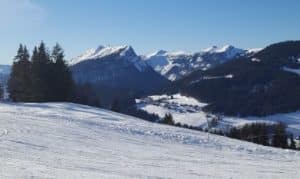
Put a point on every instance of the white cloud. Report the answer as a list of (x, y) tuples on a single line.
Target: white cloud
[(20, 12)]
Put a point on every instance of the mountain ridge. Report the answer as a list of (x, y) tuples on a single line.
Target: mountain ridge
[(260, 84), (177, 64)]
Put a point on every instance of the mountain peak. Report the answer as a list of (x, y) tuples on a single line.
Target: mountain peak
[(210, 49), (216, 49), (227, 47), (127, 50), (159, 53), (102, 51), (99, 48)]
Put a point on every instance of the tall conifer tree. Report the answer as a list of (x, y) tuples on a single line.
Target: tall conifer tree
[(63, 82), (19, 84), (41, 73)]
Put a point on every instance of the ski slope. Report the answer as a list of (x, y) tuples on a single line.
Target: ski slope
[(63, 140)]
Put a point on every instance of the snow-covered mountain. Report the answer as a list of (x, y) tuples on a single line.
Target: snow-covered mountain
[(63, 140), (118, 70), (101, 52), (175, 65)]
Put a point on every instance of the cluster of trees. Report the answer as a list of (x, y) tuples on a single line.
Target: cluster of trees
[(269, 135), (43, 77), (274, 135)]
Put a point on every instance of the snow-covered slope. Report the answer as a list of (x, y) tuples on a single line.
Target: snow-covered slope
[(175, 65), (61, 140), (187, 110)]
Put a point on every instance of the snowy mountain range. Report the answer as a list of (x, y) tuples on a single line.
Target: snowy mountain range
[(175, 65), (172, 65)]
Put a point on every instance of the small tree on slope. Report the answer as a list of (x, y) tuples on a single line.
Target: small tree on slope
[(168, 119)]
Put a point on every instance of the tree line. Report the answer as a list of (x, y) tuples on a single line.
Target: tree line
[(274, 135), (42, 77), (269, 135)]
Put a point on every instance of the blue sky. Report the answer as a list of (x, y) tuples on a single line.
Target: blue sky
[(147, 25)]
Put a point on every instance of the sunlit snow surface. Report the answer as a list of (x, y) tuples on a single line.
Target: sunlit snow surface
[(61, 140)]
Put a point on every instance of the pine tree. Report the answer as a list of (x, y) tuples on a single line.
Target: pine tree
[(41, 72), (20, 77), (61, 81), (279, 138)]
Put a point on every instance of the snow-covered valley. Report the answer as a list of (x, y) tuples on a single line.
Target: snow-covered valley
[(187, 110), (63, 140)]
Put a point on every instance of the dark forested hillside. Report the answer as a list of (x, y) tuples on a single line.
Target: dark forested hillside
[(261, 84)]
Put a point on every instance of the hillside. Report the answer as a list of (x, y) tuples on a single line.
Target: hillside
[(261, 84), (63, 140)]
